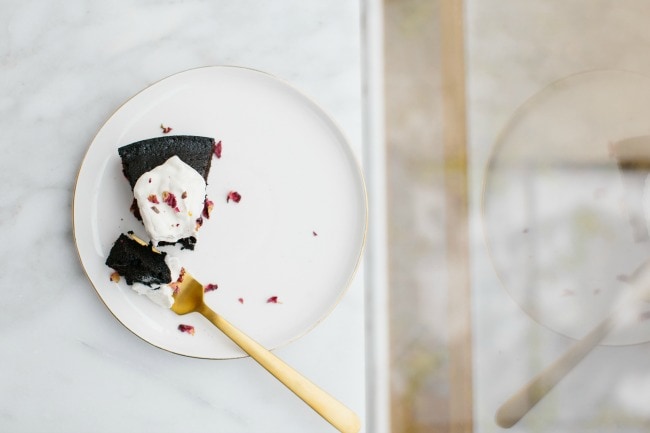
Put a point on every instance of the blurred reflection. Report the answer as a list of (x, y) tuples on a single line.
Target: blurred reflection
[(563, 201)]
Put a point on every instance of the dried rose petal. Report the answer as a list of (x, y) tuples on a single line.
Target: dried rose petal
[(199, 223), (165, 129), (181, 275), (115, 277), (314, 233), (272, 300), (217, 149), (210, 288), (234, 196), (208, 205), (184, 195), (241, 300), (186, 328), (170, 199)]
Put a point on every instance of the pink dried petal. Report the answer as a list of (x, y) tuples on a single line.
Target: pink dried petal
[(184, 195), (234, 196), (241, 300), (272, 300), (186, 328), (170, 199), (153, 198), (314, 234), (210, 287), (217, 149), (208, 205), (199, 223), (181, 275), (165, 129)]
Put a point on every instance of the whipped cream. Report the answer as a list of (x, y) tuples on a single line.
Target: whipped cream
[(161, 294), (170, 198)]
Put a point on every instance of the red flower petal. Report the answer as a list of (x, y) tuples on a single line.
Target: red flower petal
[(186, 328), (207, 207), (181, 275), (314, 233), (210, 287), (165, 129), (234, 196), (170, 199), (217, 149), (272, 300), (241, 300), (153, 198)]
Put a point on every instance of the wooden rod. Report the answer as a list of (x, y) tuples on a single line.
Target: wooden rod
[(454, 135)]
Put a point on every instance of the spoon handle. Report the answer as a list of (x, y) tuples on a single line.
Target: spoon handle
[(334, 412), (530, 394)]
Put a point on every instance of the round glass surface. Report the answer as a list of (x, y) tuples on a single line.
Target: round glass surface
[(563, 205)]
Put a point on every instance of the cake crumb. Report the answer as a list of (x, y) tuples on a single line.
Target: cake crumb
[(115, 277)]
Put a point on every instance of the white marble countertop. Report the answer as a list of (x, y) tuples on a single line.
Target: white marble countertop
[(67, 365)]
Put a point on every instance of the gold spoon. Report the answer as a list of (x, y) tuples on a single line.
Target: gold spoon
[(513, 409), (189, 299)]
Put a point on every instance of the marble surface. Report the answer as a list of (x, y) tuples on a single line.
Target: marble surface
[(67, 365)]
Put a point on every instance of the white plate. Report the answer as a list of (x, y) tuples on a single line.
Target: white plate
[(557, 208), (297, 233)]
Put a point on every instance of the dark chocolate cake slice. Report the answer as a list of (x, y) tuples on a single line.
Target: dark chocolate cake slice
[(138, 263), (143, 156)]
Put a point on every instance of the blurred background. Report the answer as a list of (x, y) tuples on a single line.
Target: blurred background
[(515, 209)]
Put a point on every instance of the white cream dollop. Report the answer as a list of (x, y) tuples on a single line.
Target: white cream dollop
[(170, 199), (161, 294)]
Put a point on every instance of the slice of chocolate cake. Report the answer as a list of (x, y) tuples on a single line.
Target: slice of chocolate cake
[(168, 176), (138, 263), (143, 156)]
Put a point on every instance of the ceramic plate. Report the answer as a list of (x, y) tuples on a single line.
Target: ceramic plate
[(563, 220), (297, 233)]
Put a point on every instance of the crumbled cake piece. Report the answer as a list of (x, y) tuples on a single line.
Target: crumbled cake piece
[(138, 263)]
